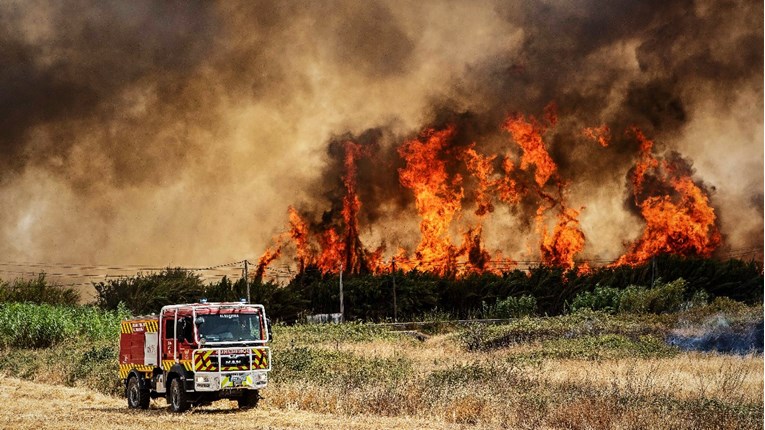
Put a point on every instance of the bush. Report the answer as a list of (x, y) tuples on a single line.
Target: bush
[(514, 307), (145, 294), (26, 325), (334, 333), (604, 299), (473, 337), (604, 346), (37, 291), (662, 298), (337, 368)]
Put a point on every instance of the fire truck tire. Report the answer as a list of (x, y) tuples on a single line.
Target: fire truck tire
[(137, 396), (176, 396), (249, 399)]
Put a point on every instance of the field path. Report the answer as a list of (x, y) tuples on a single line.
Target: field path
[(30, 405)]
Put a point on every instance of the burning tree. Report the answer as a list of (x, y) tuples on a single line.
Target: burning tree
[(443, 174)]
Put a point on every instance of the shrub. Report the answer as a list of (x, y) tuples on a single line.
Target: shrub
[(145, 294), (514, 307), (473, 337), (604, 346), (337, 368), (26, 325), (37, 291), (667, 297), (700, 298), (604, 299), (663, 297)]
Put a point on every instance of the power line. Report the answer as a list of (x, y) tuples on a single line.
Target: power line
[(232, 269)]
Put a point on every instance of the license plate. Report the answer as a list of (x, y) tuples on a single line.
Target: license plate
[(238, 379)]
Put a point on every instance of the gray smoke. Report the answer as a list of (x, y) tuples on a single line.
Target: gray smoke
[(719, 335), (179, 132)]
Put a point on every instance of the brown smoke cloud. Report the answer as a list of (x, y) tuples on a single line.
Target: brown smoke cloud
[(179, 132)]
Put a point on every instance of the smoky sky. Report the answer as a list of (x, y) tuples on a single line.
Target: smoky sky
[(180, 132)]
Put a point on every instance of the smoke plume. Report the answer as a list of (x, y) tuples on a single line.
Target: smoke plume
[(181, 132)]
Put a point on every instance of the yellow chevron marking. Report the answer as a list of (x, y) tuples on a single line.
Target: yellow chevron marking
[(149, 326), (152, 326), (126, 328), (126, 368)]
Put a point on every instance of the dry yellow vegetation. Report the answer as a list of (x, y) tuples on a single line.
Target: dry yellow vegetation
[(495, 389), (585, 371), (689, 377), (29, 405)]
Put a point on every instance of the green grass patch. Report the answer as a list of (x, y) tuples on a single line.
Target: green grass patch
[(73, 363), (312, 334), (604, 347), (337, 368), (583, 323), (28, 325), (37, 290)]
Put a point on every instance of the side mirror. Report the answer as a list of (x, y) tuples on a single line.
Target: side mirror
[(268, 329), (199, 321)]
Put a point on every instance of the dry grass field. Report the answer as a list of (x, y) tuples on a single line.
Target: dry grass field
[(27, 405), (512, 387), (585, 371), (692, 378)]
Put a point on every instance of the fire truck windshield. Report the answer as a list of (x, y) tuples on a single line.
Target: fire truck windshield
[(229, 327)]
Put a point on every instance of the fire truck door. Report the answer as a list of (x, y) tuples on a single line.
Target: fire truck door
[(150, 349), (168, 335)]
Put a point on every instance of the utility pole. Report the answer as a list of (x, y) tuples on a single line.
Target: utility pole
[(342, 309), (395, 305), (247, 280)]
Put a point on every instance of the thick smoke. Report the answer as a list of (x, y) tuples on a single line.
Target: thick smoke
[(180, 132)]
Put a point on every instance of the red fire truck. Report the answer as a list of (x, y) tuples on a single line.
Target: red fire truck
[(197, 353)]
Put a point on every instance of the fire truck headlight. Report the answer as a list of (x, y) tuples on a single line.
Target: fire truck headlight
[(259, 377), (202, 379)]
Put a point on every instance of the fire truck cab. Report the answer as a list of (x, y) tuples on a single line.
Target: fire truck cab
[(197, 353)]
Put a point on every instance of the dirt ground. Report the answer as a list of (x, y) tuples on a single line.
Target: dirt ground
[(30, 405)]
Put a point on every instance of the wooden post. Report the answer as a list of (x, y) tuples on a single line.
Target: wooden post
[(247, 280), (395, 305), (342, 309)]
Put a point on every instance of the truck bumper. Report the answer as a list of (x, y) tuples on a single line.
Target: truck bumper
[(215, 381)]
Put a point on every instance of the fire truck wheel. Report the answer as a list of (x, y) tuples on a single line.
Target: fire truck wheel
[(137, 397), (177, 396), (249, 399)]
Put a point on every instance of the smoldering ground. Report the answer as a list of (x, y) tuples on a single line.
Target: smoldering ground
[(180, 132)]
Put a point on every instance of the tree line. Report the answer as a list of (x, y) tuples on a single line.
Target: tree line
[(539, 290)]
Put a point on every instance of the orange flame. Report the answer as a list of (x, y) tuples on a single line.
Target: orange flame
[(678, 216), (436, 197), (601, 134), (683, 224), (269, 256), (332, 251), (509, 189), (566, 240), (528, 135), (300, 236), (354, 251), (481, 168)]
